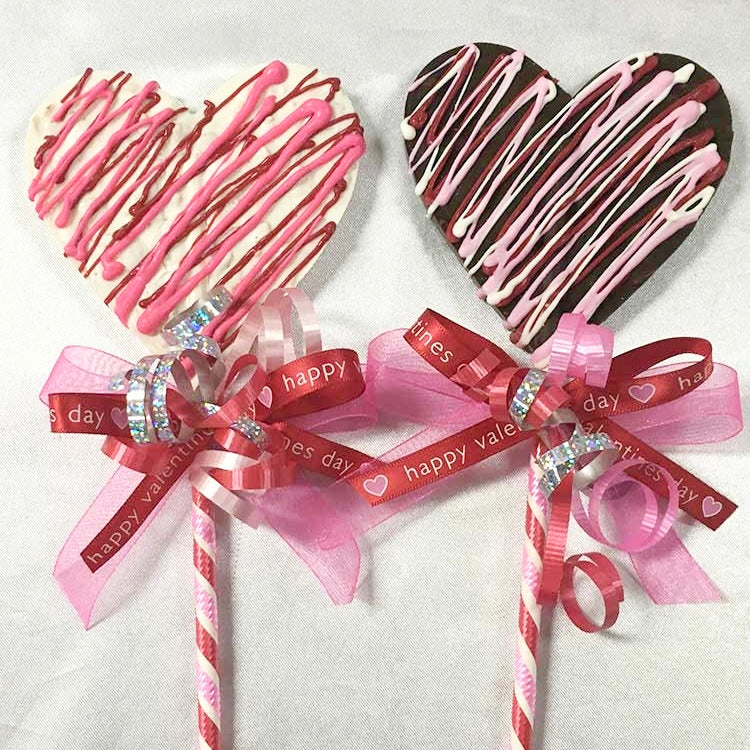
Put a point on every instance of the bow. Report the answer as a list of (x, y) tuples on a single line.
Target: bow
[(578, 412), (224, 422)]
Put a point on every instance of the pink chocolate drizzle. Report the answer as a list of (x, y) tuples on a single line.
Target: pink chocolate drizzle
[(588, 172), (120, 160)]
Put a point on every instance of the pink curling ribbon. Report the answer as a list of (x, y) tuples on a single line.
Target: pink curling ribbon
[(579, 350)]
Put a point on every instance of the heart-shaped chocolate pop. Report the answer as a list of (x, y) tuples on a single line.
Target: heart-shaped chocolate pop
[(560, 203), (157, 205)]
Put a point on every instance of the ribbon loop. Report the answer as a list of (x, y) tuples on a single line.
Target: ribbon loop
[(641, 531), (580, 350), (579, 461), (186, 329), (607, 580)]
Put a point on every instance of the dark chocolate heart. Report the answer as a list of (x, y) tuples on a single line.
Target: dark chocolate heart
[(560, 203)]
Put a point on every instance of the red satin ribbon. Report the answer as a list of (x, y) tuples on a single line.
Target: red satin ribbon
[(600, 569), (144, 499)]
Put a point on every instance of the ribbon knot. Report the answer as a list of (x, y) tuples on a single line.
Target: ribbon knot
[(195, 390), (536, 400)]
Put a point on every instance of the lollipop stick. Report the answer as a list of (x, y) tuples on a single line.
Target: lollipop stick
[(206, 623), (529, 619)]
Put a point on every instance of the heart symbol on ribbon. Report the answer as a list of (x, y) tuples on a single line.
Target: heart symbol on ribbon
[(266, 396), (157, 205), (119, 417), (642, 393), (560, 203), (711, 506), (377, 486)]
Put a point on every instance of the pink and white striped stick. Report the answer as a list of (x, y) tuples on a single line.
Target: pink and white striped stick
[(529, 618), (206, 623)]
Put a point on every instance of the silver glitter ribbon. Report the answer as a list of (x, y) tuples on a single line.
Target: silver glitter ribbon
[(590, 455), (147, 384)]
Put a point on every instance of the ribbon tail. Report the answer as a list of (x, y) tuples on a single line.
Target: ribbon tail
[(553, 560), (80, 585), (669, 574), (709, 414), (306, 519)]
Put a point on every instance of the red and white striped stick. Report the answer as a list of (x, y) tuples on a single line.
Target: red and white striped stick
[(206, 623), (529, 618)]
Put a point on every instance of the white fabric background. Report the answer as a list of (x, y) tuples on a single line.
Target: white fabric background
[(423, 657)]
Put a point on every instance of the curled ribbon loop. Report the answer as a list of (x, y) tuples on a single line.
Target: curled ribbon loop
[(655, 522), (580, 350), (187, 330), (604, 576), (223, 398)]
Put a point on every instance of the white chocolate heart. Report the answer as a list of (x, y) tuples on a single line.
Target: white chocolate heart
[(157, 205)]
